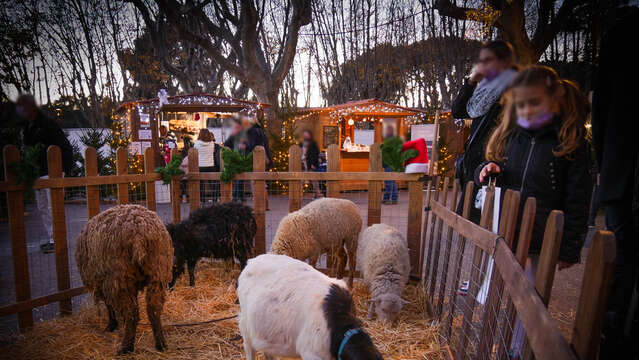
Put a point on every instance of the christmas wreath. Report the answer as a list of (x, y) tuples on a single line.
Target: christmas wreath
[(27, 169), (393, 156), (235, 163), (171, 169)]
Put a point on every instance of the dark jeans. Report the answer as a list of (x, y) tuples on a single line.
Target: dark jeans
[(238, 190), (619, 219), (209, 189), (391, 191)]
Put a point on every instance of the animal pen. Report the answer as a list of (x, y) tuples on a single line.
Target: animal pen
[(444, 249)]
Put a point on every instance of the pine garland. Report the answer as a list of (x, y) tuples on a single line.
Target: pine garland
[(171, 169), (235, 163), (27, 169), (393, 156)]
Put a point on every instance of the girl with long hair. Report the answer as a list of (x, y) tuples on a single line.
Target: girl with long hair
[(539, 148)]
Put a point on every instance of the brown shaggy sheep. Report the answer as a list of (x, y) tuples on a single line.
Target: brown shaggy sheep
[(120, 252)]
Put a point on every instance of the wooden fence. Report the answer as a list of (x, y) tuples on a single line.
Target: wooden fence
[(486, 329), (25, 304), (468, 327)]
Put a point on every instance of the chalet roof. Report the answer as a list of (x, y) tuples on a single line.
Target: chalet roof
[(196, 100), (365, 107)]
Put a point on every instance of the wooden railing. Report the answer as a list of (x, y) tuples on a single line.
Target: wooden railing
[(24, 303), (486, 330)]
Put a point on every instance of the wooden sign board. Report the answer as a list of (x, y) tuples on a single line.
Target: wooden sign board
[(331, 135), (426, 131)]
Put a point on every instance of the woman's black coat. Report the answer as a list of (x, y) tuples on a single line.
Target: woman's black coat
[(312, 154), (480, 131), (556, 183)]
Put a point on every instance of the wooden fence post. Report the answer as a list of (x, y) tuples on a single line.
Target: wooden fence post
[(294, 186), (430, 241), (121, 166), (15, 209), (521, 254), (461, 248), (176, 191), (414, 230), (437, 233), (509, 212), (54, 159), (259, 200), (549, 255), (375, 187), (594, 295), (475, 274), (449, 242), (194, 184), (226, 189), (332, 165), (93, 191), (422, 245), (149, 168)]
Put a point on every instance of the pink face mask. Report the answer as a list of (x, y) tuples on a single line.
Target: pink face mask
[(537, 122)]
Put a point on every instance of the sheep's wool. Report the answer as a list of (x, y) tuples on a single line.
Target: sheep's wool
[(120, 246)]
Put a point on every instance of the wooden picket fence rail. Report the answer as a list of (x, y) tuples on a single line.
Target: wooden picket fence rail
[(486, 334), (24, 303)]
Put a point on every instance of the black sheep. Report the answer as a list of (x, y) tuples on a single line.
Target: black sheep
[(221, 231)]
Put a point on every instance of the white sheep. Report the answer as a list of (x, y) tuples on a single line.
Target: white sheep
[(385, 265), (289, 309), (324, 225)]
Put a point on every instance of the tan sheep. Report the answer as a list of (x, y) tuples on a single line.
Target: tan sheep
[(120, 252), (323, 225), (384, 263)]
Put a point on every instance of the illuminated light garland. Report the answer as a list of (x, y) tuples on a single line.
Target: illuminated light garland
[(250, 109)]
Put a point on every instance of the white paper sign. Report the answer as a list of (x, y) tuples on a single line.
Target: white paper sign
[(145, 145), (144, 134), (364, 137), (135, 148), (144, 120)]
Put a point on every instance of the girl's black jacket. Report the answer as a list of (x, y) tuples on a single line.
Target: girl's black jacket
[(556, 183)]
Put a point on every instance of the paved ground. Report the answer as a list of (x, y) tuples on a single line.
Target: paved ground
[(42, 266)]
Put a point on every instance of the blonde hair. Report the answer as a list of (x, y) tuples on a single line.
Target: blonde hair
[(573, 110)]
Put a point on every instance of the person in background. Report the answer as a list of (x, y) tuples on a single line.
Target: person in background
[(40, 129), (256, 136), (478, 99), (391, 191), (539, 148), (614, 133), (208, 157), (184, 166), (310, 158), (237, 141)]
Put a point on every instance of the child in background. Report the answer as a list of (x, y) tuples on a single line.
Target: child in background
[(539, 149)]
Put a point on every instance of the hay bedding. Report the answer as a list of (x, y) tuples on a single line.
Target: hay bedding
[(82, 335)]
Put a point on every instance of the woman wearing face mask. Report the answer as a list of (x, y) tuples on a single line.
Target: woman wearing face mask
[(478, 99), (539, 149)]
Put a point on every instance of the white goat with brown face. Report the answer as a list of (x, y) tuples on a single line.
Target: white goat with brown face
[(289, 309), (383, 259)]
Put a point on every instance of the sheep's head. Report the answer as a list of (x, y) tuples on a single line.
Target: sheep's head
[(388, 306)]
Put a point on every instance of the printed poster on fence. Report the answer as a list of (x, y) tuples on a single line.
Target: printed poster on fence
[(426, 131)]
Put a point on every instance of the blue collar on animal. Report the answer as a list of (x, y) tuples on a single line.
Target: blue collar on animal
[(347, 336)]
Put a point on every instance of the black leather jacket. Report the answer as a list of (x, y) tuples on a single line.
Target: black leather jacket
[(557, 184)]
